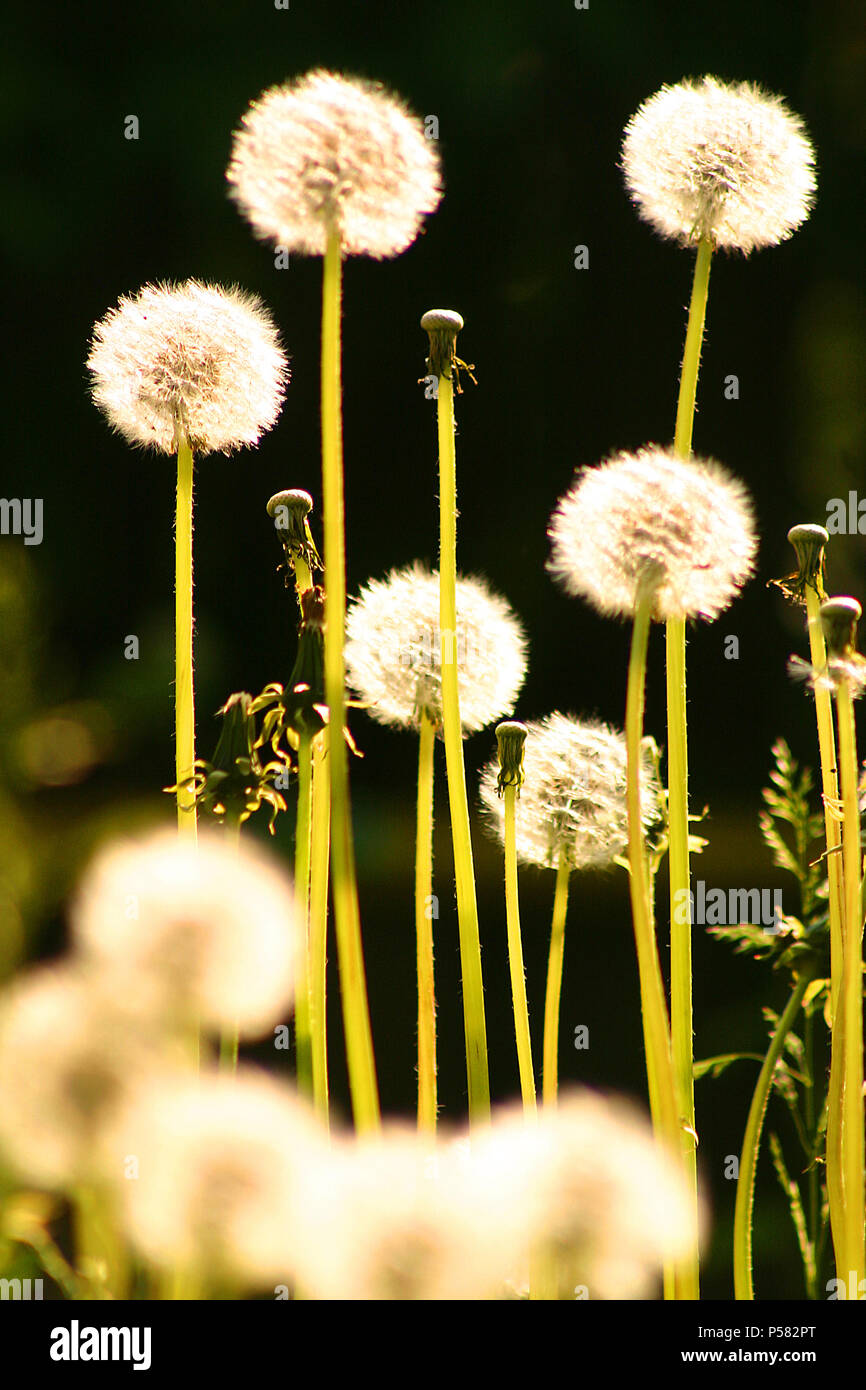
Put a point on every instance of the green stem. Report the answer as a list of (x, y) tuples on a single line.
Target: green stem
[(353, 986), (550, 1077), (101, 1256), (854, 1187), (656, 1029), (515, 955), (743, 1289), (303, 1035), (682, 1038), (184, 706), (467, 908), (427, 1097), (319, 923), (230, 1037)]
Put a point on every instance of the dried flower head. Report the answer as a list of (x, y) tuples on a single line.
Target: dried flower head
[(595, 1191), (839, 618), (326, 152), (70, 1050), (217, 1164), (724, 161), (573, 797), (685, 529), (193, 359), (200, 930), (393, 650)]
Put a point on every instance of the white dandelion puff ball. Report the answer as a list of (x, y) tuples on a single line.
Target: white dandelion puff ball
[(686, 527), (394, 650), (597, 1194), (217, 1163), (200, 930), (194, 359), (724, 161), (329, 152), (572, 803), (70, 1051)]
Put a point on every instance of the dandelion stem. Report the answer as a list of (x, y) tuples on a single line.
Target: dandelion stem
[(303, 825), (550, 1079), (353, 987), (184, 706), (427, 1098), (743, 1287), (230, 1037), (660, 1076), (467, 908), (515, 954), (682, 1042), (852, 992), (319, 923)]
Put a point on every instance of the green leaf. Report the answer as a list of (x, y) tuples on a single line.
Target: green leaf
[(716, 1065)]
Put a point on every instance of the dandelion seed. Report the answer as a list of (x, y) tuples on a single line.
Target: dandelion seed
[(218, 1162), (70, 1050), (727, 162), (206, 931), (393, 650), (573, 798), (189, 359), (329, 153), (684, 527)]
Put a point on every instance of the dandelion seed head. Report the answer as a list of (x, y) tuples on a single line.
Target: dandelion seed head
[(200, 929), (393, 650), (194, 359), (218, 1161), (326, 151), (685, 527), (573, 798), (726, 161), (70, 1050)]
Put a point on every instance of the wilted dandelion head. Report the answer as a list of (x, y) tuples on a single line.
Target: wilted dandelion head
[(596, 1191), (216, 1170), (394, 651), (724, 161), (326, 152), (202, 929), (683, 529), (573, 798), (393, 1217), (70, 1051), (188, 359), (844, 667)]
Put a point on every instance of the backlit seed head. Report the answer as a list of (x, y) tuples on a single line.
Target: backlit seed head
[(217, 1169), (326, 152), (394, 651), (682, 529), (200, 930), (725, 161), (573, 798), (70, 1050), (191, 360)]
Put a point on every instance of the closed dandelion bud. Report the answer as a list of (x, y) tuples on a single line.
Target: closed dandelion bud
[(510, 738), (651, 521), (326, 153), (809, 542), (839, 617), (723, 161), (70, 1051), (201, 931), (573, 796), (189, 360), (218, 1163), (394, 650)]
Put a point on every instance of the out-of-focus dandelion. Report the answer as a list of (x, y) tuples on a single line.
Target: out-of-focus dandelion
[(725, 161), (332, 166), (394, 662), (187, 368), (204, 933), (217, 1163), (685, 526), (572, 814)]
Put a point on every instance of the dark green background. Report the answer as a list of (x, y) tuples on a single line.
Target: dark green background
[(531, 101)]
